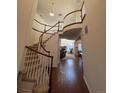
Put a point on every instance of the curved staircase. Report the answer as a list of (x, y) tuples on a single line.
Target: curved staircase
[(35, 76)]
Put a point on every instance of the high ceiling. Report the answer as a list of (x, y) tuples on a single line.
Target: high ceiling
[(60, 7)]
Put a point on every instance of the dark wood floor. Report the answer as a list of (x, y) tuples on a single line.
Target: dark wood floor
[(68, 77)]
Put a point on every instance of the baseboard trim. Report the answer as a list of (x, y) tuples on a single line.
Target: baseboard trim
[(87, 85)]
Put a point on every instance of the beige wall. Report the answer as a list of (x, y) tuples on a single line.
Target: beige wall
[(36, 25), (53, 46), (25, 13), (76, 47), (94, 44)]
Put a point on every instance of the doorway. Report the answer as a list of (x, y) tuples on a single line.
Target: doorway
[(78, 48), (67, 49)]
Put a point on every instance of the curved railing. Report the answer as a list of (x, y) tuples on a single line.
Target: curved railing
[(71, 18), (38, 67), (41, 27), (47, 29), (74, 17)]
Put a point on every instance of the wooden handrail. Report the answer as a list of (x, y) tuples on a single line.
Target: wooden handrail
[(83, 17), (48, 29), (51, 27), (75, 11), (80, 10), (55, 25), (37, 30), (34, 64), (50, 37), (42, 38), (65, 27), (45, 49), (71, 13), (42, 45), (53, 33), (76, 22), (43, 23), (42, 31), (82, 5), (38, 51)]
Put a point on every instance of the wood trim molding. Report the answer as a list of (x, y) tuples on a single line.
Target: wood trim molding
[(71, 13), (72, 24), (87, 84), (82, 5), (42, 31), (43, 23)]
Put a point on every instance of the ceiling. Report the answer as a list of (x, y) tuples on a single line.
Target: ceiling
[(60, 7)]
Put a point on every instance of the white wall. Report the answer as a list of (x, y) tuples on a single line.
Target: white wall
[(35, 34), (27, 36), (53, 46), (94, 44), (25, 13)]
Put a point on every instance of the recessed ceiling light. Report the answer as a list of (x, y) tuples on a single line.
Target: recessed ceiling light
[(60, 14), (40, 15)]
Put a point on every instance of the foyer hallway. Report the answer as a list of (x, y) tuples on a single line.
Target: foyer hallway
[(68, 77)]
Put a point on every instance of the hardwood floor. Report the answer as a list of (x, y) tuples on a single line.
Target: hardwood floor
[(68, 77)]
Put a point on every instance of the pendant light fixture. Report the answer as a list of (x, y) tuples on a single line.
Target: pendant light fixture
[(51, 12)]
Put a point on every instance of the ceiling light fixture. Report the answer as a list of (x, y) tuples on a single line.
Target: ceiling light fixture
[(51, 13)]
